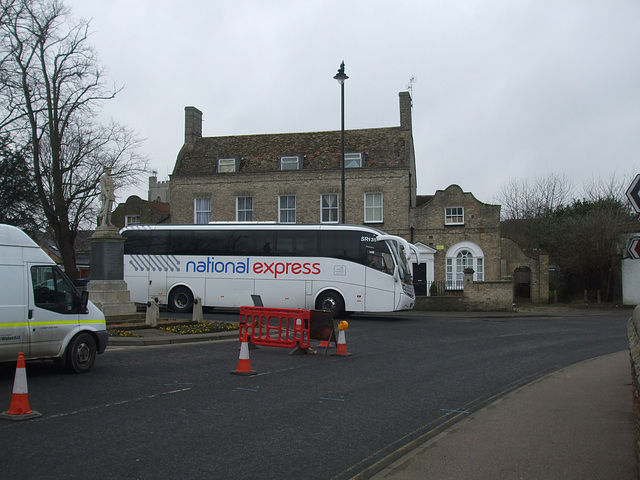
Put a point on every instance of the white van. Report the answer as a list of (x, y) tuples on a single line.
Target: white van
[(41, 312)]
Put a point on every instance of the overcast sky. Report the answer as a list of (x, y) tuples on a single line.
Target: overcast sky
[(504, 89)]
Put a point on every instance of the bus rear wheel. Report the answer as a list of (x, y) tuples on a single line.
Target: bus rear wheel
[(331, 301), (181, 300)]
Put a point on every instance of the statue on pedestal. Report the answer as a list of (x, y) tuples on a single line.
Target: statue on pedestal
[(107, 197), (107, 287)]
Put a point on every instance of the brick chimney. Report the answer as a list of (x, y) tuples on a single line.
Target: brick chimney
[(405, 110), (192, 125)]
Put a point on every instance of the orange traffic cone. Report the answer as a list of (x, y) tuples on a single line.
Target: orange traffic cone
[(341, 345), (325, 343), (244, 366), (19, 408)]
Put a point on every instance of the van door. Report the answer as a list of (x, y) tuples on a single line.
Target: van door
[(53, 310), (14, 330)]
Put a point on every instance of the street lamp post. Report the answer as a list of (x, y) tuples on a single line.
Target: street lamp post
[(341, 77)]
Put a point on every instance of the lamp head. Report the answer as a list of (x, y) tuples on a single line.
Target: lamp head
[(341, 76)]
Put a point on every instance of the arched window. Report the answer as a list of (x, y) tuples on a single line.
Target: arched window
[(460, 256)]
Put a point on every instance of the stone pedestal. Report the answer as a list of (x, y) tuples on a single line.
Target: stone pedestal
[(107, 288)]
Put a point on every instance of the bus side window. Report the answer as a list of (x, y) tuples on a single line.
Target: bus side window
[(378, 261)]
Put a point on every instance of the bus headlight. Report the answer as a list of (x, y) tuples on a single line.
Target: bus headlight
[(408, 290)]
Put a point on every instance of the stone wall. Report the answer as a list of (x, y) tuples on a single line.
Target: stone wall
[(513, 257), (440, 304), (477, 297), (487, 296), (633, 331)]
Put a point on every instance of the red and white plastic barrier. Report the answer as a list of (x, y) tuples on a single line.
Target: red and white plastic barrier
[(275, 327)]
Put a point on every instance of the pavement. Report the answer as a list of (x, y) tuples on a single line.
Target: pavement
[(575, 423)]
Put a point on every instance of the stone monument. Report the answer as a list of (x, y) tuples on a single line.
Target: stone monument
[(107, 288)]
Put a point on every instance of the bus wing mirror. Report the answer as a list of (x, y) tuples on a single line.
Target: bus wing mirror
[(415, 253), (409, 249)]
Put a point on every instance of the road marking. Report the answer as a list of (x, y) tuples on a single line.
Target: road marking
[(177, 384), (341, 399), (449, 412), (99, 407), (247, 389)]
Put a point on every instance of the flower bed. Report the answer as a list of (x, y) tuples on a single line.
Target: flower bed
[(204, 327), (121, 333)]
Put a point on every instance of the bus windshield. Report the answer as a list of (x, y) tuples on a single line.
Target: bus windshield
[(402, 262)]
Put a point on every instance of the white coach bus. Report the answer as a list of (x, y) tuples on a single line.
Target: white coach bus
[(341, 268)]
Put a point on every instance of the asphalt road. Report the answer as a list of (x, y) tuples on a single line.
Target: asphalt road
[(176, 412)]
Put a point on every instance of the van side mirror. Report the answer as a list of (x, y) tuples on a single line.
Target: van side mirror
[(84, 300)]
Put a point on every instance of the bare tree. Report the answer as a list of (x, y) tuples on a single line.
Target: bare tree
[(535, 198), (584, 237), (615, 187), (50, 89)]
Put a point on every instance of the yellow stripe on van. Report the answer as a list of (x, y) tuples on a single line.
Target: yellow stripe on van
[(68, 322)]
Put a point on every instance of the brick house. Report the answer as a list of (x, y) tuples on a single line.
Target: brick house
[(136, 210), (463, 232), (296, 178)]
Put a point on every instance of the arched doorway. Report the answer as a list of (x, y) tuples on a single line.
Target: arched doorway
[(522, 283)]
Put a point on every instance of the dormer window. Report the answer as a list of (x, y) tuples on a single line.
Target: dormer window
[(290, 162), (352, 160), (228, 165)]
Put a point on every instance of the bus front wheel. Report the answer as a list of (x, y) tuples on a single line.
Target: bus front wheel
[(181, 300), (331, 301)]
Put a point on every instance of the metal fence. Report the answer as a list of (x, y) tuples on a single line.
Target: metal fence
[(445, 288)]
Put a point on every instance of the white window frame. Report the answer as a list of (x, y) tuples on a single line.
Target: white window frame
[(373, 207), (244, 213), (454, 215), (227, 165), (329, 206), (353, 160), (201, 210), (290, 162), (131, 220), (460, 256), (287, 213)]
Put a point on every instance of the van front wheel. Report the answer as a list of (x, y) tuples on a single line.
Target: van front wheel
[(81, 353)]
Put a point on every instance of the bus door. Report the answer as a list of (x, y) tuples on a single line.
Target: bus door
[(157, 287), (381, 285)]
